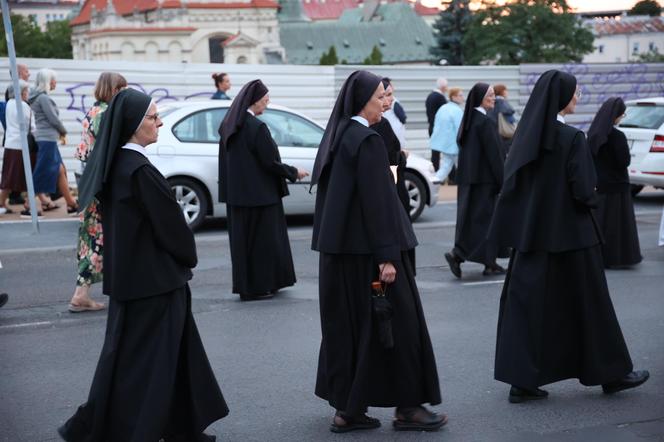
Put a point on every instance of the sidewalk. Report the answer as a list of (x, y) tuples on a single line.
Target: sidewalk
[(59, 213)]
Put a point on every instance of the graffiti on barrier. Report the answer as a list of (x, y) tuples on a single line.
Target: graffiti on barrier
[(597, 84), (82, 98)]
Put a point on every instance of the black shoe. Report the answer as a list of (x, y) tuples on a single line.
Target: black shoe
[(258, 297), (4, 297), (417, 419), (518, 394), (493, 270), (16, 198), (352, 423), (455, 265), (632, 380)]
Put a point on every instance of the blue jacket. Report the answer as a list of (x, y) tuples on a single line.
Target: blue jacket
[(445, 128)]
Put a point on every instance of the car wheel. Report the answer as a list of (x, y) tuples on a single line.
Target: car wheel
[(416, 193), (635, 189), (192, 200)]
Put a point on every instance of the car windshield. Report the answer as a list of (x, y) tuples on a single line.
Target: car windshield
[(643, 115)]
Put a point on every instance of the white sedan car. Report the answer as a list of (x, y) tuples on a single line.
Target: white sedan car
[(188, 147), (643, 126)]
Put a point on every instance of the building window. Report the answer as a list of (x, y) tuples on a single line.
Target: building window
[(651, 46), (635, 48), (600, 49), (32, 18), (48, 17), (216, 49), (241, 59)]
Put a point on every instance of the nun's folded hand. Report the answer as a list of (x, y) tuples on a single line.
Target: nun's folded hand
[(387, 272), (301, 173)]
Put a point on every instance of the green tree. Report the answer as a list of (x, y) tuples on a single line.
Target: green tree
[(450, 27), (652, 56), (527, 31), (646, 7), (31, 42), (330, 57), (376, 57)]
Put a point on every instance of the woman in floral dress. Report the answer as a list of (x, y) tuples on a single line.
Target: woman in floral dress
[(90, 233)]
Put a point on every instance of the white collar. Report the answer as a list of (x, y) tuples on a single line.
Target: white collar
[(251, 112), (363, 121), (481, 109), (136, 148), (560, 118)]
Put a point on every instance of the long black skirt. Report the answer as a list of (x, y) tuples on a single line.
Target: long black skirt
[(475, 206), (354, 370), (615, 216), (260, 250), (153, 379), (557, 321)]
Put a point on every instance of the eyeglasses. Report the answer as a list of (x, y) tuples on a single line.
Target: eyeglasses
[(153, 117)]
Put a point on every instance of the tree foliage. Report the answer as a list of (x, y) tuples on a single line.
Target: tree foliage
[(376, 57), (330, 57), (646, 7), (652, 56), (527, 31), (450, 27), (31, 42)]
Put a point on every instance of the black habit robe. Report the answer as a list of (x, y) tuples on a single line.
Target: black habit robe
[(397, 158), (479, 178), (615, 208), (556, 319), (153, 379), (358, 224), (252, 184)]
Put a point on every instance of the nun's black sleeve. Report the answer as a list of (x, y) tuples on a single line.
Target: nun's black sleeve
[(493, 150), (268, 155), (618, 142), (169, 227), (378, 198), (581, 174)]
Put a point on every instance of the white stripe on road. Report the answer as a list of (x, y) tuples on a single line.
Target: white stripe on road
[(483, 282), (25, 324)]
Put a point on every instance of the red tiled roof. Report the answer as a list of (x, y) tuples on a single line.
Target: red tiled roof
[(628, 26), (420, 9), (327, 9), (127, 7)]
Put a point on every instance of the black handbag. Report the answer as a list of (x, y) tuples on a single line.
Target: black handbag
[(382, 315), (33, 147)]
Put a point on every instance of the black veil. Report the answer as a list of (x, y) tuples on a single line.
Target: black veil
[(604, 121), (121, 119), (353, 96)]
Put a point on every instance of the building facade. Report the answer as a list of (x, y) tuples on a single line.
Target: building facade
[(239, 31), (42, 12), (625, 38)]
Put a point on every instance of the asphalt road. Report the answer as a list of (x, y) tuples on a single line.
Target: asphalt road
[(264, 354)]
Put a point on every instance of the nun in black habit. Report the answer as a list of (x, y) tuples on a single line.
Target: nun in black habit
[(556, 319), (395, 155), (252, 182), (479, 178), (153, 380), (615, 209), (363, 234)]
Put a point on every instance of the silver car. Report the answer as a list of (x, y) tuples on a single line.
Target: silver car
[(188, 147)]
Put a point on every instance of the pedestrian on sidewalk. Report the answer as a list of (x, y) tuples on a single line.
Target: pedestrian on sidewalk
[(153, 380), (252, 183), (50, 172), (363, 236), (90, 250), (222, 83), (615, 209), (479, 178), (445, 129), (556, 319), (434, 101), (13, 170)]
